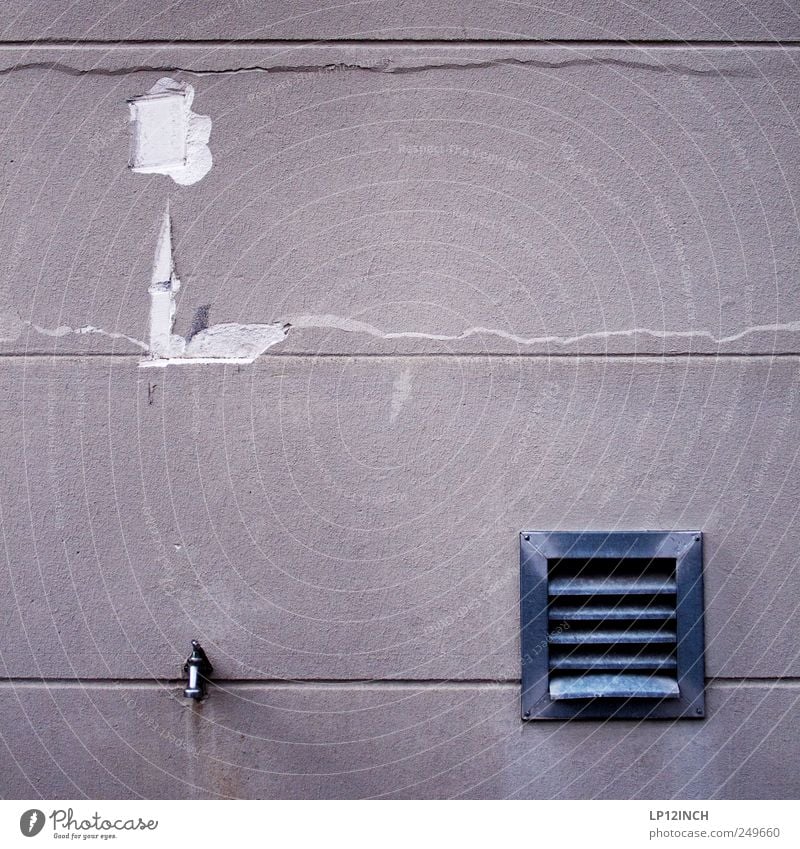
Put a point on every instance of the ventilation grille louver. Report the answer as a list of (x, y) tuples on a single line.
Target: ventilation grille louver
[(612, 629), (612, 624)]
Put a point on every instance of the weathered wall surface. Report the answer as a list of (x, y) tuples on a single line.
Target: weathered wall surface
[(544, 285)]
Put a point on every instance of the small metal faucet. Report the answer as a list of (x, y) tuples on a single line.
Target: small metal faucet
[(199, 669)]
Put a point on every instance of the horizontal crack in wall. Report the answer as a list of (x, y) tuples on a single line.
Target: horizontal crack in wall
[(384, 67), (348, 325), (246, 342)]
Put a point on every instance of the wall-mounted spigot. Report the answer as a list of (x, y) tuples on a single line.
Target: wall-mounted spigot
[(199, 669)]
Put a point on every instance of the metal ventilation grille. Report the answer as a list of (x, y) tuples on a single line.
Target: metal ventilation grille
[(612, 629), (612, 624)]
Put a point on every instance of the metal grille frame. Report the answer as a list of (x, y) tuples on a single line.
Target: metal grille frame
[(539, 547)]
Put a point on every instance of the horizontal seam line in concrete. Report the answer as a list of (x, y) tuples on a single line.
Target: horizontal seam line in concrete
[(542, 355), (583, 43), (413, 683), (266, 683)]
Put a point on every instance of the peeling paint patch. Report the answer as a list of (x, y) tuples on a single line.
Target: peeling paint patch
[(166, 136)]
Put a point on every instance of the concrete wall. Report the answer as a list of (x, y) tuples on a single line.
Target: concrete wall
[(544, 285)]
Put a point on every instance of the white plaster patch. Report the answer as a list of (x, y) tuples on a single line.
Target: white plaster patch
[(164, 286), (220, 343), (234, 342), (166, 136), (223, 343)]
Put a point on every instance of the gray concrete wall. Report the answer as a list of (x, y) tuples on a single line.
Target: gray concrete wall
[(574, 272)]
